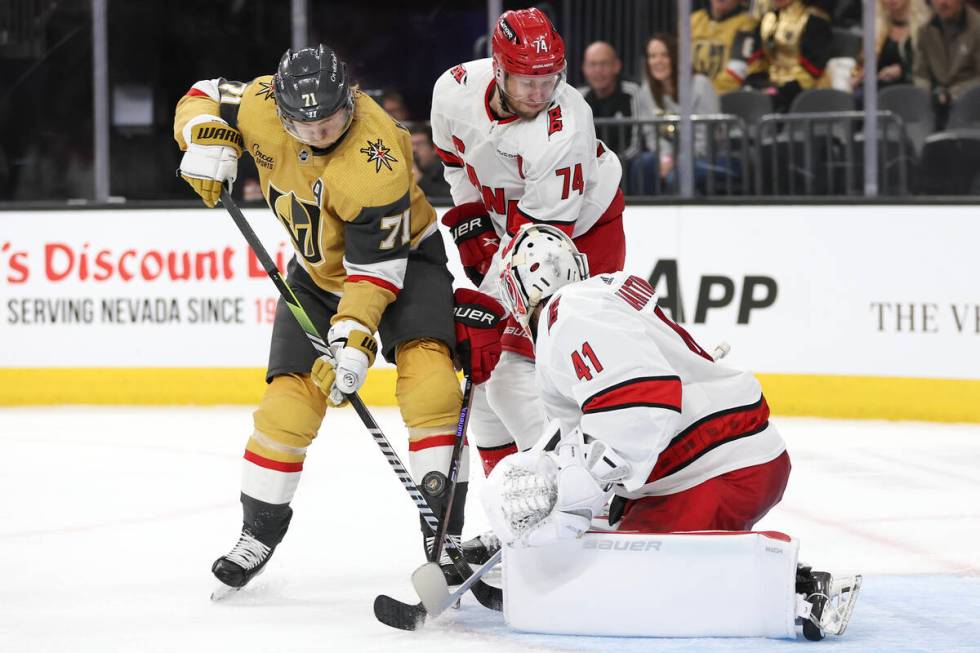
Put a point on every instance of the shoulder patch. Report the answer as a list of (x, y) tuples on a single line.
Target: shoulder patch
[(553, 311), (379, 154), (265, 90), (459, 74), (554, 120)]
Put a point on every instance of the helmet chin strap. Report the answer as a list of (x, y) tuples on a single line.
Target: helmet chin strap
[(503, 101)]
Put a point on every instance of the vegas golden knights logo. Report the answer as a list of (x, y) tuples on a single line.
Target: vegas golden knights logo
[(708, 58), (301, 219)]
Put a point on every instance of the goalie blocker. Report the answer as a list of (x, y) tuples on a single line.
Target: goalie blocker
[(706, 584)]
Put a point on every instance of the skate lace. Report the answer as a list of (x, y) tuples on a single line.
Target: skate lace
[(444, 559), (249, 552)]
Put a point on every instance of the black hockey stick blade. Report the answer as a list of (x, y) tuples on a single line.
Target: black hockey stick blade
[(490, 597), (394, 613), (409, 616), (431, 585)]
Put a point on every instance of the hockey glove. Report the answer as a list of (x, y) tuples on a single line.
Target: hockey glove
[(354, 351), (211, 159), (577, 480), (479, 325), (475, 238)]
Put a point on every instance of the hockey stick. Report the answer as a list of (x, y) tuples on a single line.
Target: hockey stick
[(393, 612), (430, 583), (454, 463), (491, 597)]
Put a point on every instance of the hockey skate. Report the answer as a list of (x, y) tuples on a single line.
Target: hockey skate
[(479, 549), (449, 570), (263, 528), (245, 561), (825, 603)]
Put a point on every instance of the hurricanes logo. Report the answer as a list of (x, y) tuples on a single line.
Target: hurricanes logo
[(378, 153), (302, 221)]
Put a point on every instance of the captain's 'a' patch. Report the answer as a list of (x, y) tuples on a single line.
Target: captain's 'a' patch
[(380, 154)]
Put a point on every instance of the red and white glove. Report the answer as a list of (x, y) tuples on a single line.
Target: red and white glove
[(479, 325), (475, 238)]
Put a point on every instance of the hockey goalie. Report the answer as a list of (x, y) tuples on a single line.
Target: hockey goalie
[(642, 415)]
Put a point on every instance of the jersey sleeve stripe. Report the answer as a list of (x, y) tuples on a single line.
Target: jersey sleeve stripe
[(205, 88), (274, 465), (710, 432), (448, 158), (810, 67), (651, 391), (381, 283)]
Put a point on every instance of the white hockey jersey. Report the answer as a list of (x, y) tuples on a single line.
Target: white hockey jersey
[(551, 169), (609, 360)]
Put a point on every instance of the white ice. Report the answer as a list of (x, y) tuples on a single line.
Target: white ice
[(110, 519)]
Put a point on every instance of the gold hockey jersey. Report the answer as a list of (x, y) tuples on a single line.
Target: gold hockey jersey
[(353, 211), (792, 45), (721, 48)]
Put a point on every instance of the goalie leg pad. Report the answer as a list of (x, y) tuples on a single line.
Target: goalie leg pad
[(286, 422), (672, 585)]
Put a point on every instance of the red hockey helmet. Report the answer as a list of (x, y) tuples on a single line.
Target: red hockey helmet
[(526, 43), (527, 47)]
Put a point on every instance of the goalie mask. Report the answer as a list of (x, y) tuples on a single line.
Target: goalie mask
[(537, 262), (313, 95)]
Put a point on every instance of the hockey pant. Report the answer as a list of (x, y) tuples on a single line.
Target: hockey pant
[(289, 417), (507, 413), (734, 501)]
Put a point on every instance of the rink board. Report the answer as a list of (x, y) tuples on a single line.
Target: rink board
[(843, 311)]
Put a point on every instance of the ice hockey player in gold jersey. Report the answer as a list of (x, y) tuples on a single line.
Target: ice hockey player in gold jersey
[(721, 43), (336, 171)]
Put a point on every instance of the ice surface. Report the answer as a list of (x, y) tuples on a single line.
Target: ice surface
[(110, 519)]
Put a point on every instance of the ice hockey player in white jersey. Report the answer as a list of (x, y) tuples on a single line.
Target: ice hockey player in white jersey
[(518, 145), (639, 410)]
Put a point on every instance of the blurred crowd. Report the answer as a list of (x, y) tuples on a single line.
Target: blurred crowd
[(749, 58), (770, 53)]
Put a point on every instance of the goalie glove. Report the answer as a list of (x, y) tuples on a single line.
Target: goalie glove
[(475, 238), (354, 350), (535, 498), (211, 159)]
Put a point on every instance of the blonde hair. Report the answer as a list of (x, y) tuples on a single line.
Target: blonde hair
[(918, 15)]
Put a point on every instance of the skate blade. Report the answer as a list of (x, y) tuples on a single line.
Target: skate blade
[(843, 597), (222, 591)]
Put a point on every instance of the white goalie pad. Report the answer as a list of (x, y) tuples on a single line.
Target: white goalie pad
[(672, 585)]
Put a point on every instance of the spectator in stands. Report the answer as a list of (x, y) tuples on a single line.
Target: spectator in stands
[(658, 97), (393, 102), (427, 165), (721, 43), (610, 97), (792, 46), (947, 56), (896, 31)]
